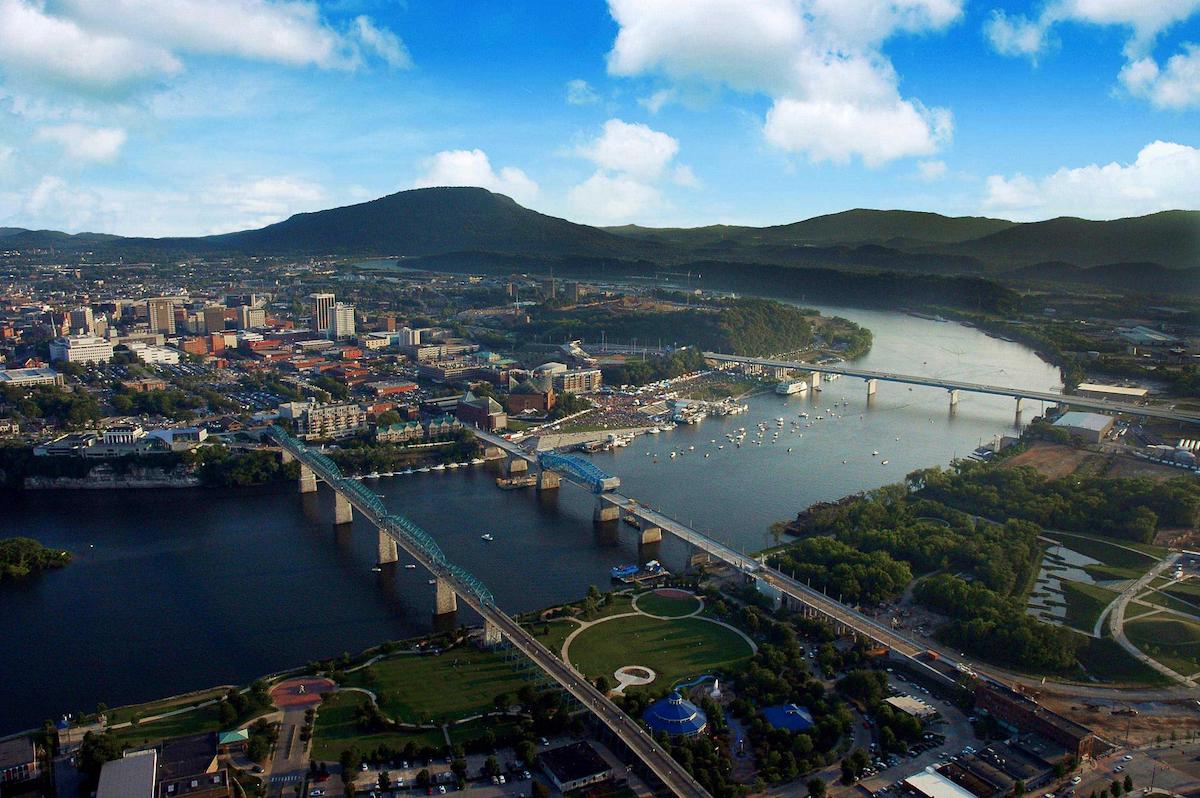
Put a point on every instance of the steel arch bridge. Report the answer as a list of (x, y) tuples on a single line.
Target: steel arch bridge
[(583, 470)]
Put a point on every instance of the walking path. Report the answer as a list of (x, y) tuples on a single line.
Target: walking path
[(1116, 621)]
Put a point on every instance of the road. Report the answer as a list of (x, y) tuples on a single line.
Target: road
[(957, 385), (637, 739), (1116, 621), (286, 772)]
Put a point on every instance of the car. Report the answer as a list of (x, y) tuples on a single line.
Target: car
[(1127, 757), (502, 778), (1118, 768), (1076, 779), (317, 793), (442, 789), (543, 741), (365, 767)]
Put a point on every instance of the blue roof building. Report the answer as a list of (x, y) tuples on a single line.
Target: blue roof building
[(676, 716), (789, 716)]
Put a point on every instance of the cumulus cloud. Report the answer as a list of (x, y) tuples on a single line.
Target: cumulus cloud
[(580, 92), (1175, 86), (111, 45), (1164, 176), (819, 60), (609, 199), (632, 160), (261, 201), (84, 143), (632, 148), (473, 168)]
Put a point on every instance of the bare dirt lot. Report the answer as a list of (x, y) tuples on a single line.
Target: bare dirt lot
[(1055, 460)]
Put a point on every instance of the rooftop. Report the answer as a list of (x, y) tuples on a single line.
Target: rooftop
[(572, 762), (789, 716), (17, 751), (131, 776), (1096, 422), (932, 784)]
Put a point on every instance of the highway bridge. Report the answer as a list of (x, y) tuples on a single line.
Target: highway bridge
[(612, 505), (398, 531), (954, 386)]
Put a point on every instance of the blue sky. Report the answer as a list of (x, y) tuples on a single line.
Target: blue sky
[(177, 117)]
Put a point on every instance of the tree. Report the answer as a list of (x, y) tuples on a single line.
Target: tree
[(1018, 788), (816, 787), (423, 779), (491, 767), (97, 749), (1115, 788), (385, 780), (501, 702), (1128, 783)]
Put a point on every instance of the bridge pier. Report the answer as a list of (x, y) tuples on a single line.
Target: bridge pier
[(605, 511), (515, 465), (814, 381), (954, 397), (871, 386), (491, 635), (308, 480), (1017, 416), (445, 600), (651, 534), (388, 552), (343, 513), (548, 480)]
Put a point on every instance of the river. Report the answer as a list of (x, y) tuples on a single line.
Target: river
[(175, 590)]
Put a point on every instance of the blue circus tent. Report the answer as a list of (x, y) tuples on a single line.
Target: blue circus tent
[(676, 716)]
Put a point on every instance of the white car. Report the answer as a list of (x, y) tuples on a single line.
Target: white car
[(1076, 779)]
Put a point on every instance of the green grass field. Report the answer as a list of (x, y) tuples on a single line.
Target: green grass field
[(1108, 550), (336, 730), (206, 719), (1172, 641), (558, 633), (1160, 599), (667, 606), (1085, 603), (1103, 659), (126, 713), (1134, 610), (675, 649), (455, 684)]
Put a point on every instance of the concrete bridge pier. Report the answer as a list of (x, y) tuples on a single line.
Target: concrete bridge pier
[(814, 381), (651, 534), (388, 551), (343, 513), (953, 397), (548, 480), (491, 635), (871, 386), (446, 600), (308, 480), (605, 511), (1017, 416)]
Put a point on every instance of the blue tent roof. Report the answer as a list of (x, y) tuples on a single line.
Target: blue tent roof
[(789, 716), (675, 715)]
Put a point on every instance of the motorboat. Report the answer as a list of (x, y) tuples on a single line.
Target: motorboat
[(487, 536)]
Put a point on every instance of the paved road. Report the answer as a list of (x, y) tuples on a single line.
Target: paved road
[(1116, 621), (957, 385), (637, 739), (288, 765)]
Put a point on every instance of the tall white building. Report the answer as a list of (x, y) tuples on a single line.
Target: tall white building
[(250, 318), (341, 321), (161, 311), (321, 304), (83, 321), (81, 349)]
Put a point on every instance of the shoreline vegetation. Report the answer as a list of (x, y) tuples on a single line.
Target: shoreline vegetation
[(21, 556)]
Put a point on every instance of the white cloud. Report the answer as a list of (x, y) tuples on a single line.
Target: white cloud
[(84, 143), (261, 201), (931, 171), (812, 57), (383, 43), (38, 46), (657, 100), (473, 168), (1176, 86), (111, 45), (632, 148), (684, 176), (580, 92), (1164, 176), (613, 199)]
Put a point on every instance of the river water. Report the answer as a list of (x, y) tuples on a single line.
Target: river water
[(176, 590)]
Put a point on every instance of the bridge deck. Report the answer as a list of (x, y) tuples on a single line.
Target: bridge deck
[(958, 385), (674, 776)]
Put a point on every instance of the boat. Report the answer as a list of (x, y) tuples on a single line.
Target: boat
[(423, 470), (652, 431), (623, 571), (408, 472), (487, 536), (477, 461), (789, 387), (373, 475), (411, 567), (875, 453), (376, 569), (433, 581), (452, 465), (883, 462), (440, 467)]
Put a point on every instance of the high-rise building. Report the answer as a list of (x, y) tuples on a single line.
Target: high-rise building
[(82, 320), (161, 311), (214, 319), (250, 318), (320, 305), (341, 321)]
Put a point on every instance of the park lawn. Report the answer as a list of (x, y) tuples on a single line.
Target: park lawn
[(667, 606), (1172, 641), (1108, 550), (1186, 591), (1085, 603), (675, 650), (558, 631), (127, 712), (1133, 610), (1106, 573), (1103, 659), (474, 729), (205, 719), (455, 684), (336, 730), (1170, 602)]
